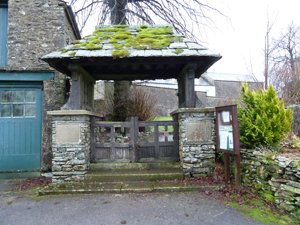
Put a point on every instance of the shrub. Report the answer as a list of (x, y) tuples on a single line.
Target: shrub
[(263, 119), (140, 103)]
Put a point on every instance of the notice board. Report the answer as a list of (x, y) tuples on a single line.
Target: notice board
[(227, 129)]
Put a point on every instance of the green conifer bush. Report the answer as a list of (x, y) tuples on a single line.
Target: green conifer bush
[(263, 119)]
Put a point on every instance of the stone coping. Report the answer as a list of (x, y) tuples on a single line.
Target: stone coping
[(73, 113), (193, 110)]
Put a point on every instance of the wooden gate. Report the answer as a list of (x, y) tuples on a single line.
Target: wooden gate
[(134, 141)]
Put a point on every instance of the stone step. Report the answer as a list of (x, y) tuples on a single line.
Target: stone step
[(134, 166), (123, 187), (131, 175)]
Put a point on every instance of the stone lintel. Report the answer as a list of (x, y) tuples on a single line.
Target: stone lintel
[(193, 110), (73, 113)]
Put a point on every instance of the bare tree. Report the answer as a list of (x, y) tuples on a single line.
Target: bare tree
[(184, 15), (268, 50), (285, 71)]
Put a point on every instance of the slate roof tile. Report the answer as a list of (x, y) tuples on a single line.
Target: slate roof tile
[(96, 45)]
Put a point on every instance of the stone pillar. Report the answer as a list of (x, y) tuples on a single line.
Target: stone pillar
[(196, 140), (71, 144)]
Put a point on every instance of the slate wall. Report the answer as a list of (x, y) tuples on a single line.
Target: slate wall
[(36, 28)]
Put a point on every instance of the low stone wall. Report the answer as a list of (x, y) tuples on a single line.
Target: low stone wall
[(274, 177), (71, 138), (196, 140)]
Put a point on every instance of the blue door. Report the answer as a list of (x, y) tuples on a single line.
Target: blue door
[(20, 126)]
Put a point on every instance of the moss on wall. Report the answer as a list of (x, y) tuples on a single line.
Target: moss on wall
[(274, 177)]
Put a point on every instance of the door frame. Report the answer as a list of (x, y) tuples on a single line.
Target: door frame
[(28, 79)]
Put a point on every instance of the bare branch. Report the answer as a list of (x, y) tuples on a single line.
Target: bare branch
[(285, 71), (184, 15)]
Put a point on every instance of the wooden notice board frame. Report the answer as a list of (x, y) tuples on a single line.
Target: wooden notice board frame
[(228, 138)]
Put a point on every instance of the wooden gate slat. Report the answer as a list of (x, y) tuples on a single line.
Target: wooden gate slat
[(155, 145)]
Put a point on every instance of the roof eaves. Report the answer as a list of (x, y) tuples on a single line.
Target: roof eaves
[(71, 19)]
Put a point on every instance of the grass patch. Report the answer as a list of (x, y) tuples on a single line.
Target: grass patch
[(163, 118), (259, 211)]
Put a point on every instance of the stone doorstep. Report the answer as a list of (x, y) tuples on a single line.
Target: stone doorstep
[(133, 176), (134, 166)]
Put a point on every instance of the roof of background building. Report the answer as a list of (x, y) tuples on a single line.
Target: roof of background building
[(211, 77), (207, 79), (72, 20)]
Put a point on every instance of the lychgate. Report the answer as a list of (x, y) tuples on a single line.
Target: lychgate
[(105, 55)]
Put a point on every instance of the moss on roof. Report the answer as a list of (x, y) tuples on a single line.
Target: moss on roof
[(124, 37)]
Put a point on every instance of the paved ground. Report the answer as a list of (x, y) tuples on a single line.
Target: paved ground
[(113, 209)]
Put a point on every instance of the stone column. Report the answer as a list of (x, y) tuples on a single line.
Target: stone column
[(196, 140), (71, 144)]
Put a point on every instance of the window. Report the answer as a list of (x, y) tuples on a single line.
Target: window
[(3, 32), (17, 103)]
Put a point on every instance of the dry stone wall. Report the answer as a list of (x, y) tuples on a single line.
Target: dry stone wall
[(274, 177)]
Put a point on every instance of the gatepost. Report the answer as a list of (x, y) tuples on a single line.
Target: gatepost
[(71, 144), (196, 134)]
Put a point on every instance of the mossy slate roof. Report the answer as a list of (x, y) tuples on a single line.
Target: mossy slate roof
[(132, 45)]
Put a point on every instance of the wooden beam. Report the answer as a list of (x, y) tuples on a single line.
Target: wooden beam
[(186, 87)]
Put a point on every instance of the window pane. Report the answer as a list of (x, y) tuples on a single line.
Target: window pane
[(29, 96), (18, 110), (5, 96), (6, 110), (18, 96), (30, 110)]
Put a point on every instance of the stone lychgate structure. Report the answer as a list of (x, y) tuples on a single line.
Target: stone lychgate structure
[(129, 53)]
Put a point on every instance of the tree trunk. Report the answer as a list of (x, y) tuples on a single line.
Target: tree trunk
[(117, 11), (121, 88)]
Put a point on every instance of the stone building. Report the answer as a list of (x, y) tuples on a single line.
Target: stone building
[(29, 88), (212, 89)]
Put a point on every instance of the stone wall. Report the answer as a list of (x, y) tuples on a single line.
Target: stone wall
[(274, 177), (166, 99), (196, 140), (226, 92), (36, 28), (71, 143), (232, 89)]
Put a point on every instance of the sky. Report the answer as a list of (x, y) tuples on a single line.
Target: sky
[(239, 35)]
